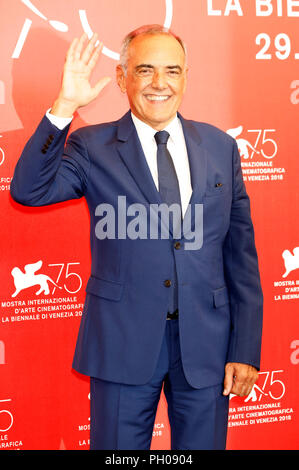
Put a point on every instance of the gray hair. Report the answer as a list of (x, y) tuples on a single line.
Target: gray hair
[(146, 29)]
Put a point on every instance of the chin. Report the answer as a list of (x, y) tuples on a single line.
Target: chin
[(159, 118)]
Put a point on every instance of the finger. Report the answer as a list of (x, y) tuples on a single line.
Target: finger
[(79, 46), (95, 55), (250, 385), (246, 390), (241, 382), (100, 85), (228, 380), (70, 52), (89, 48), (250, 381), (238, 389), (243, 387)]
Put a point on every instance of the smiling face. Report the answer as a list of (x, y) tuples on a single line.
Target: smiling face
[(156, 78)]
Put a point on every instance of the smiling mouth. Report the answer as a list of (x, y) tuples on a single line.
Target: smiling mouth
[(157, 98)]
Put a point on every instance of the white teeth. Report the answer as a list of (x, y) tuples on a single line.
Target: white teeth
[(157, 98)]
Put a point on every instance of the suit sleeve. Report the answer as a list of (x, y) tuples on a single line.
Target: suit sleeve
[(242, 276), (48, 171)]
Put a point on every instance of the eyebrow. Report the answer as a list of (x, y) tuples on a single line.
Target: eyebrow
[(150, 66), (171, 67)]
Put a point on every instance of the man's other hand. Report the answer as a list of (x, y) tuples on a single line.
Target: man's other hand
[(239, 378)]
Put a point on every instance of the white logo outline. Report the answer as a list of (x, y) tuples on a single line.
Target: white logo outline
[(24, 280), (291, 261), (243, 144), (108, 52)]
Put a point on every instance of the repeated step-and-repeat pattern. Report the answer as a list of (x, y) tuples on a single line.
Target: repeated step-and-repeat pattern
[(243, 58)]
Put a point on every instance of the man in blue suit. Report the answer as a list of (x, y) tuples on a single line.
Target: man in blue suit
[(159, 311)]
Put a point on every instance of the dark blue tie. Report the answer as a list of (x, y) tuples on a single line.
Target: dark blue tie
[(168, 182), (170, 193)]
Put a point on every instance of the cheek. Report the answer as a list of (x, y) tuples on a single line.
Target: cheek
[(134, 90), (182, 88), (179, 86)]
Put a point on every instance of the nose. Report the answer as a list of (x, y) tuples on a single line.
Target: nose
[(159, 80)]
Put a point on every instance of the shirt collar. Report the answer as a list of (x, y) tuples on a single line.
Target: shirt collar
[(147, 131)]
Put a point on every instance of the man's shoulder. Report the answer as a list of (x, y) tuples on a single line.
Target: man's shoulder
[(207, 132), (104, 129)]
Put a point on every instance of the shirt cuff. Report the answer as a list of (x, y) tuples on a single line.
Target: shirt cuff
[(59, 122)]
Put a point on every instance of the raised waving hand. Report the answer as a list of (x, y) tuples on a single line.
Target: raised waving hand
[(76, 90)]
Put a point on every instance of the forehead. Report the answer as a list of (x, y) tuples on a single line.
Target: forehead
[(157, 49)]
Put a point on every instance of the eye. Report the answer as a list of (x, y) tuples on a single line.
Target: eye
[(144, 72), (174, 73)]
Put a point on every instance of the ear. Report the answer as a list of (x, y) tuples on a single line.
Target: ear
[(121, 78)]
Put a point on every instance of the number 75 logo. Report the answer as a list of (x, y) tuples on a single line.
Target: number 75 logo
[(274, 386), (269, 385), (264, 144)]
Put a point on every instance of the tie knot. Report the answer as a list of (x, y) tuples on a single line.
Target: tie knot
[(161, 137)]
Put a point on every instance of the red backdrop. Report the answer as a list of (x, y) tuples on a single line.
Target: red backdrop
[(242, 78)]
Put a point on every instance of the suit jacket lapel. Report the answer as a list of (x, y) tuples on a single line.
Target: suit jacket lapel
[(131, 152), (197, 160), (198, 170)]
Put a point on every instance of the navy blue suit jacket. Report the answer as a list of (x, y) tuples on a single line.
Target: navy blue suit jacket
[(219, 292)]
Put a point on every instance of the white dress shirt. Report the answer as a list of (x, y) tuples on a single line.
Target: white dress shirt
[(176, 146)]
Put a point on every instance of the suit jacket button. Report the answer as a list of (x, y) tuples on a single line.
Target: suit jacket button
[(177, 245), (167, 283)]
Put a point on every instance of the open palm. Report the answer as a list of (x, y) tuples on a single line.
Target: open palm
[(79, 64)]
